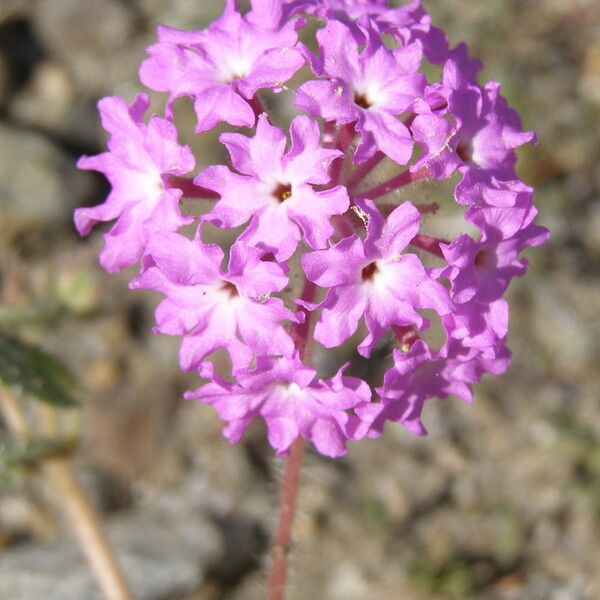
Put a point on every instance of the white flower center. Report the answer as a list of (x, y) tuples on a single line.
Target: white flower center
[(235, 67), (367, 94), (290, 390)]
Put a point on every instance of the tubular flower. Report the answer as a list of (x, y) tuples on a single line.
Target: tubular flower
[(374, 279), (292, 402), (275, 187), (139, 159), (369, 88), (223, 67), (212, 308)]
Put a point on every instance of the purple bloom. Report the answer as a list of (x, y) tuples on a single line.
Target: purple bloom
[(287, 395), (477, 324), (420, 374), (224, 66), (275, 187), (484, 269), (375, 279), (481, 271), (369, 88), (407, 23), (341, 9), (139, 159), (411, 23), (368, 100), (480, 143), (212, 308)]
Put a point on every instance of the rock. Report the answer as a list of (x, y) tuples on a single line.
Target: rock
[(95, 39), (590, 78), (78, 288), (47, 99), (39, 184), (12, 9), (23, 517), (88, 26), (164, 553), (592, 230), (51, 101), (348, 583), (570, 339)]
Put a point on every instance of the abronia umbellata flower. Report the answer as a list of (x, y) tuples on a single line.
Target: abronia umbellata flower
[(318, 241)]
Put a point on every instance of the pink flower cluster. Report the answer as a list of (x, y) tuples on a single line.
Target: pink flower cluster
[(299, 200)]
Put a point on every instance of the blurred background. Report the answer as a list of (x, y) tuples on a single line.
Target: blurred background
[(501, 501)]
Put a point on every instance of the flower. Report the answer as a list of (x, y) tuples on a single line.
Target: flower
[(292, 401), (373, 278), (275, 187), (138, 163), (480, 142), (212, 308), (420, 374), (223, 67), (369, 88), (485, 268), (349, 9)]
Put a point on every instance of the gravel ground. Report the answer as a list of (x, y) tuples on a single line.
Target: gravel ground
[(500, 502)]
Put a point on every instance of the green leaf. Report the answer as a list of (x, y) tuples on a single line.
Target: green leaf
[(25, 369)]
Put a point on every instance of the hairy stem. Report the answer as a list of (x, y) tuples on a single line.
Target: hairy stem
[(404, 178), (285, 520), (257, 106), (364, 169), (329, 137), (290, 483), (345, 137), (429, 244), (428, 208), (387, 208), (301, 331)]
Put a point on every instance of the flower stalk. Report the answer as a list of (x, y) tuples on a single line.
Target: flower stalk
[(396, 182), (282, 542), (290, 483)]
